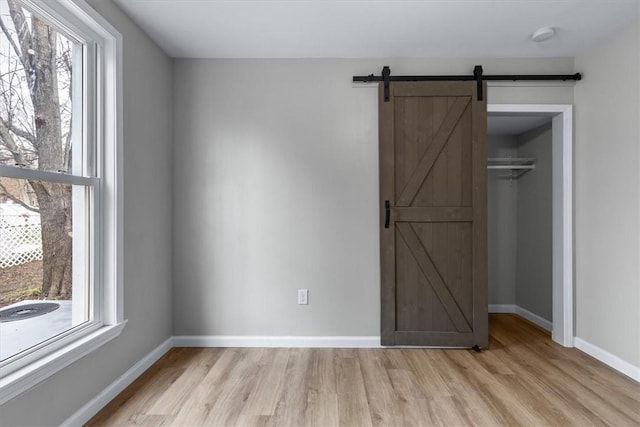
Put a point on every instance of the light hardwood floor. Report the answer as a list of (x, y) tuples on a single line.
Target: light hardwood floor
[(522, 379)]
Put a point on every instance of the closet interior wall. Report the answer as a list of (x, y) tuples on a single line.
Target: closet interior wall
[(502, 206), (519, 224)]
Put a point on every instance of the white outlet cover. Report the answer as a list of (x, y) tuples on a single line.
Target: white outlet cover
[(303, 296)]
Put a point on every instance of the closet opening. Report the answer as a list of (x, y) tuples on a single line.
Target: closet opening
[(530, 243)]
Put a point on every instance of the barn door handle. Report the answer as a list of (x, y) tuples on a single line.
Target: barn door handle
[(387, 213)]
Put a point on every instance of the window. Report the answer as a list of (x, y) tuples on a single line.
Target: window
[(60, 221)]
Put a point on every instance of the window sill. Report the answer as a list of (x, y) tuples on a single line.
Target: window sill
[(23, 379)]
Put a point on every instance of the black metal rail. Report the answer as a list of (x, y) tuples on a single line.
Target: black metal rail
[(477, 76)]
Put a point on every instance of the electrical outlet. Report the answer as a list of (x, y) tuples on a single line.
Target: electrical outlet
[(303, 296)]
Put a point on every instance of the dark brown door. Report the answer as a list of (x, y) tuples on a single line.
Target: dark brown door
[(434, 241)]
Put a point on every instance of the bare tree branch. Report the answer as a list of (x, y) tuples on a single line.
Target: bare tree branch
[(67, 62), (11, 144), (24, 35), (6, 32), (17, 200), (21, 132)]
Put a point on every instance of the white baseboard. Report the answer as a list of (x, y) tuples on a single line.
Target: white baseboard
[(534, 318), (502, 308), (92, 407), (608, 359), (276, 341), (531, 317)]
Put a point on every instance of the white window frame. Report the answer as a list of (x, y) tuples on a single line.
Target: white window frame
[(103, 100)]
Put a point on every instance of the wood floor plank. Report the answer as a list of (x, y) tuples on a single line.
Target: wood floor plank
[(174, 396), (476, 392), (146, 420), (235, 391), (140, 395), (353, 407), (412, 404), (196, 408), (322, 395), (428, 374), (446, 411), (522, 379), (381, 396), (265, 395), (292, 404)]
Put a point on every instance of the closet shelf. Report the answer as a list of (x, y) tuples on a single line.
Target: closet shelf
[(517, 166)]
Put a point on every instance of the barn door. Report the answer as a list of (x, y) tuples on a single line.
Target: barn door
[(433, 216)]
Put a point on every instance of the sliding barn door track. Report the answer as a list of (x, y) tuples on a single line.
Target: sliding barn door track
[(477, 76)]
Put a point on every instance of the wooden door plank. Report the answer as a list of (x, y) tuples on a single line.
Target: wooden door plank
[(455, 264), (412, 136), (438, 174), (432, 153), (431, 272), (433, 214), (412, 292), (479, 195), (454, 163), (466, 160), (424, 123), (438, 257)]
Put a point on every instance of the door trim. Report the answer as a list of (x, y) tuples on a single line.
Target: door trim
[(562, 211)]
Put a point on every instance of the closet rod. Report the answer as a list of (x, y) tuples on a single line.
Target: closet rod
[(477, 76), (511, 162), (511, 166)]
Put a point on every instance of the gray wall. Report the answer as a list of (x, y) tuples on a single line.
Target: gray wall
[(147, 237), (534, 232), (607, 196), (276, 189), (502, 206)]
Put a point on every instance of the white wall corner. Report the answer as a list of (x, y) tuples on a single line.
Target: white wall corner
[(609, 359), (91, 408)]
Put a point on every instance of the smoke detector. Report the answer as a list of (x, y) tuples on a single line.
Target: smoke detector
[(542, 34)]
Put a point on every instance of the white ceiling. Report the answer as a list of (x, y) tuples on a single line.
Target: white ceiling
[(376, 29)]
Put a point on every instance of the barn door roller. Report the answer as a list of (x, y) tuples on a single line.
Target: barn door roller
[(477, 76)]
